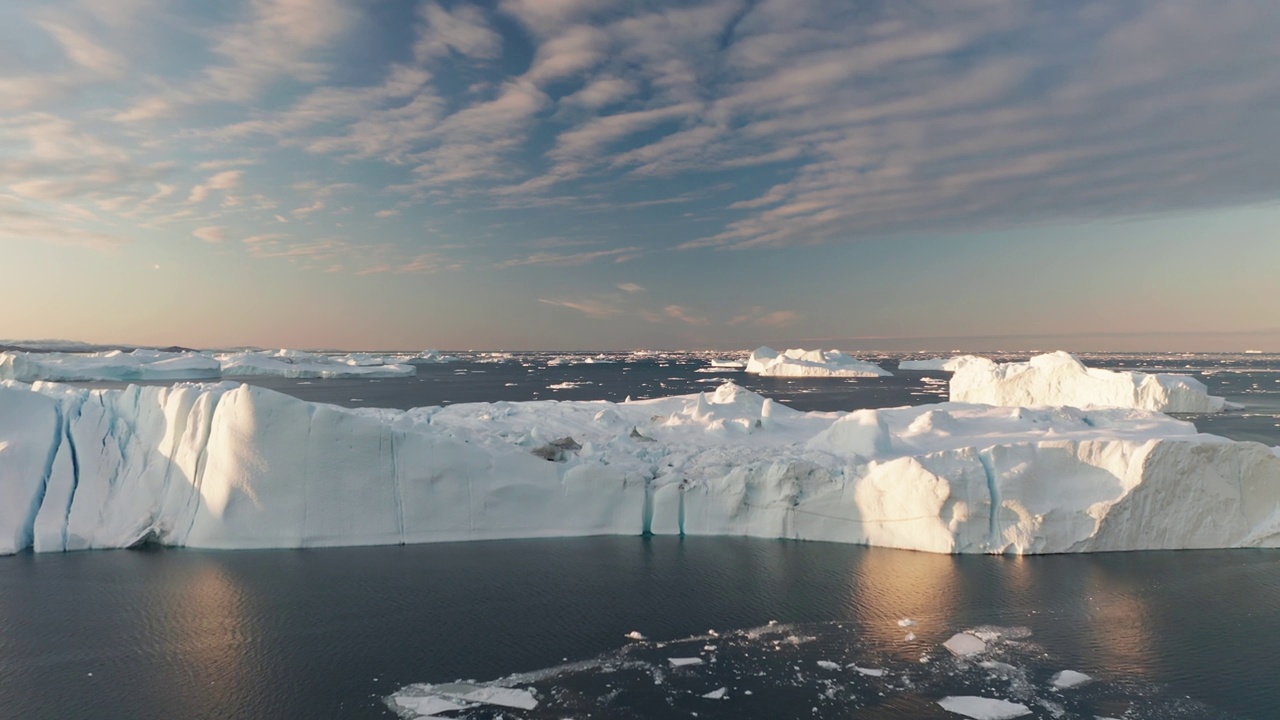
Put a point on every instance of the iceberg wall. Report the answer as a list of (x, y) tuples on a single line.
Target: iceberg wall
[(1061, 379), (235, 466)]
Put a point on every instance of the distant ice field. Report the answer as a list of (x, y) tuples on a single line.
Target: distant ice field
[(1251, 380)]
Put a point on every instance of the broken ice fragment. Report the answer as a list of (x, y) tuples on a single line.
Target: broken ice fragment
[(980, 708), (964, 644), (681, 662), (1069, 679), (717, 694)]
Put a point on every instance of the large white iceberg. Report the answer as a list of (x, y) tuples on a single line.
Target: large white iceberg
[(810, 363), (1061, 379), (236, 466)]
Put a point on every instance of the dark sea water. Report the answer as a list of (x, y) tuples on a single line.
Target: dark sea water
[(333, 633)]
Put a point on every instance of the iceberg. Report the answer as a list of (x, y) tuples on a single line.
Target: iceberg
[(1061, 379), (109, 365), (236, 466), (160, 365), (810, 363), (939, 364), (299, 364)]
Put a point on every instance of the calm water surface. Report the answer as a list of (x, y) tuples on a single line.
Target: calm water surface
[(329, 633)]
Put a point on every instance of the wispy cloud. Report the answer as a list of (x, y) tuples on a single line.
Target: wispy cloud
[(570, 259), (590, 307)]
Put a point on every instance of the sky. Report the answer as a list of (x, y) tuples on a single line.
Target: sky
[(588, 174)]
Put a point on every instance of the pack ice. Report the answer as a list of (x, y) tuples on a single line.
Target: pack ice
[(235, 466), (810, 363), (1061, 379)]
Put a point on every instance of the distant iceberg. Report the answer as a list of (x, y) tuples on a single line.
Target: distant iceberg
[(810, 363), (1061, 379), (161, 365), (236, 466), (938, 364)]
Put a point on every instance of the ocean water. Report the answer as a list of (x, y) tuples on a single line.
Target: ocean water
[(343, 633)]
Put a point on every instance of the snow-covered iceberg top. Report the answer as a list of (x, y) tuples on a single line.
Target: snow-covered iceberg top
[(109, 365), (163, 365), (810, 363), (227, 466), (299, 364), (1061, 379), (951, 364)]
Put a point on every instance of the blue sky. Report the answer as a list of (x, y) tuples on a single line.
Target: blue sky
[(974, 174)]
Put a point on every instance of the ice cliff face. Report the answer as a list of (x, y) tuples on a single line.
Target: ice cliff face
[(810, 363), (227, 466), (1060, 379)]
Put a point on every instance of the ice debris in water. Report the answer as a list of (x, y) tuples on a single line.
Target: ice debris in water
[(906, 622), (963, 644), (981, 708), (1069, 679), (635, 635), (760, 671)]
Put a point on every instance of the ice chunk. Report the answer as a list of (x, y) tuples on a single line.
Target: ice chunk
[(635, 635), (907, 622), (684, 661), (828, 665), (944, 364), (981, 708), (427, 705), (869, 672), (963, 644), (1068, 679), (717, 694)]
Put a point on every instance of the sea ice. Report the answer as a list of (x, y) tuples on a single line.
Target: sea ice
[(683, 661), (981, 708)]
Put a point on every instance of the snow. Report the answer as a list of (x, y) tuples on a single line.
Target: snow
[(1068, 679), (964, 645), (940, 364), (159, 365), (980, 708), (810, 363), (235, 466), (1061, 379)]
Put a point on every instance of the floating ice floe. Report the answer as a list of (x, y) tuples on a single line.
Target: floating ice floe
[(1061, 379), (964, 644), (1068, 679), (810, 363), (983, 708), (237, 466)]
